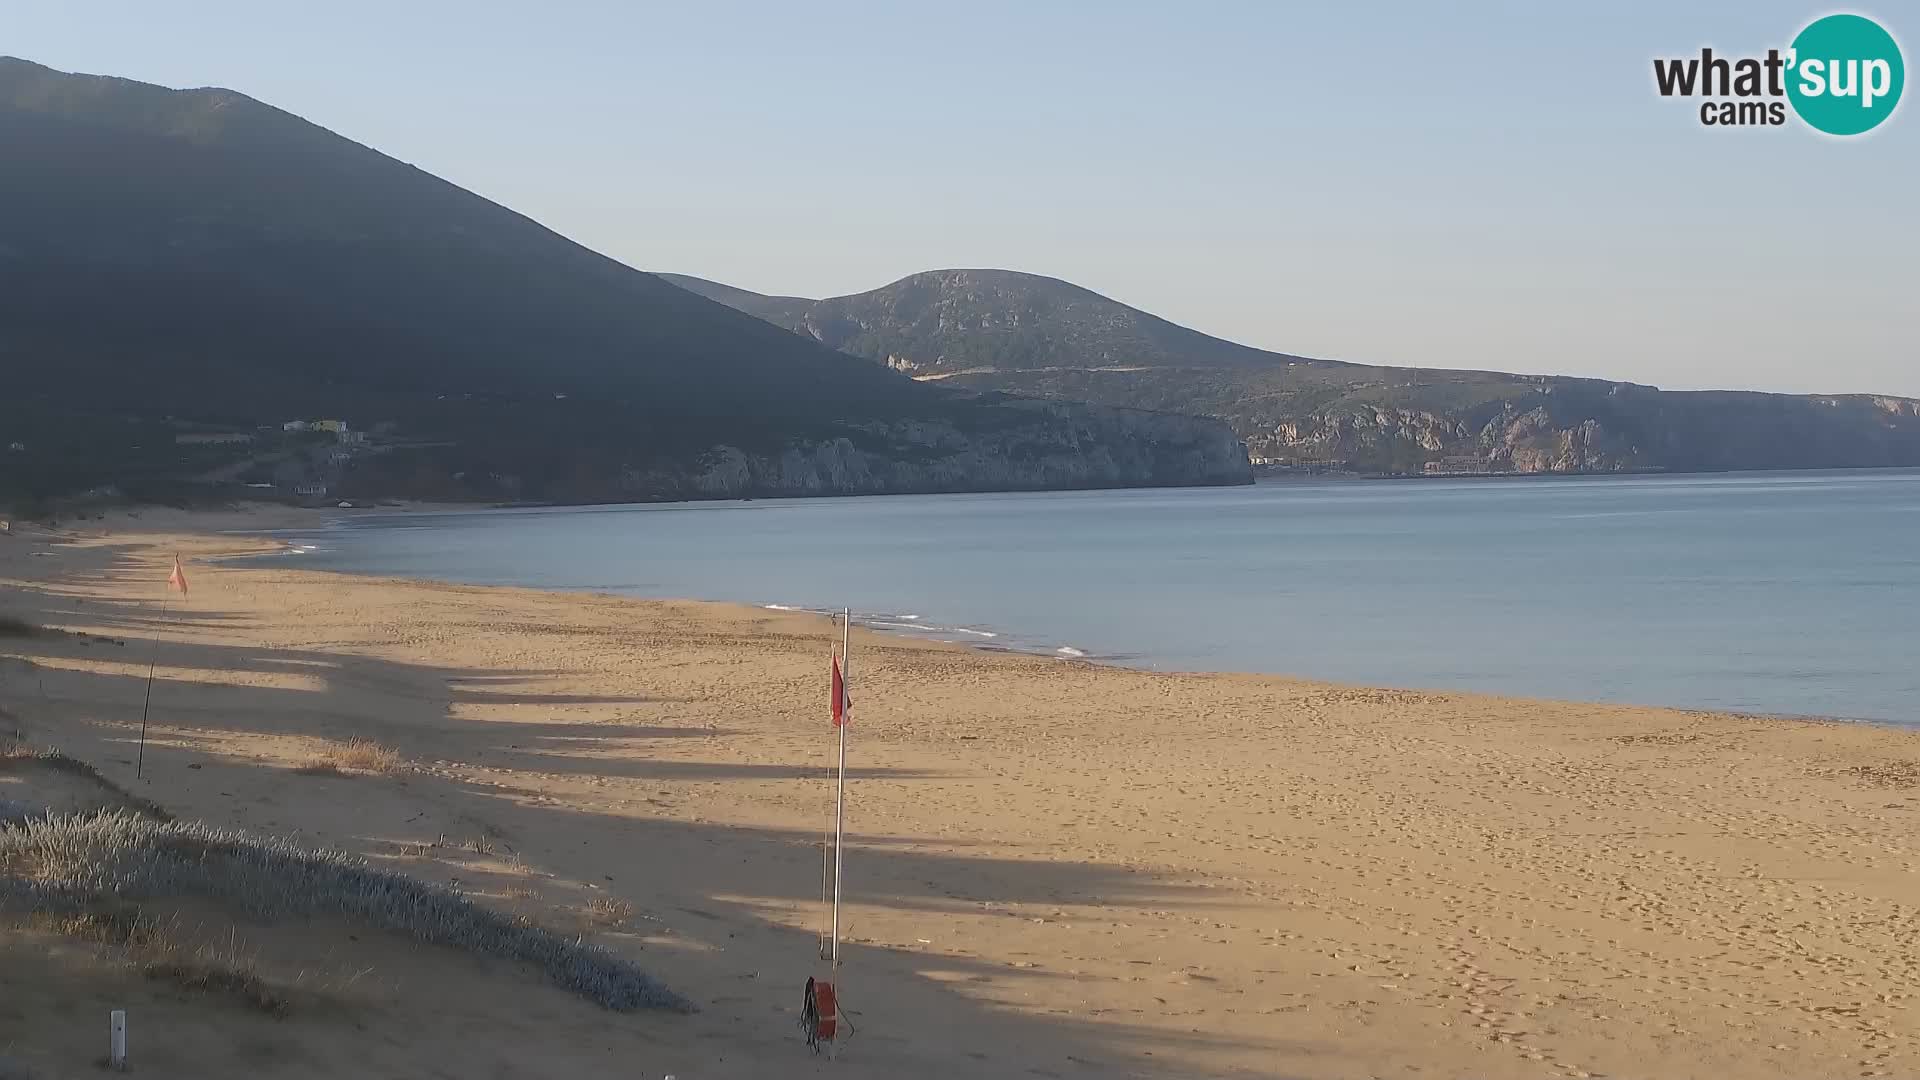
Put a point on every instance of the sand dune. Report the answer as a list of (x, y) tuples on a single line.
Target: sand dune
[(1060, 869)]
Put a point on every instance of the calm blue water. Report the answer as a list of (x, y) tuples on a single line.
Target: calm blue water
[(1794, 593)]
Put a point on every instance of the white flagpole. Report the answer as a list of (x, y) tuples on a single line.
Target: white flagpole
[(840, 791)]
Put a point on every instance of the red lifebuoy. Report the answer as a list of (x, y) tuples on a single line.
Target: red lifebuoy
[(827, 1020)]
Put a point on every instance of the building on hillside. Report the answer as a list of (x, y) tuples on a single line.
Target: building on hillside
[(296, 425), (333, 427)]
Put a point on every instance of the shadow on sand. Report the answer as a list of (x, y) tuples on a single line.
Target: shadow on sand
[(711, 898)]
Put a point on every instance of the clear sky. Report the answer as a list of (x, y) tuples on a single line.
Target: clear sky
[(1493, 185)]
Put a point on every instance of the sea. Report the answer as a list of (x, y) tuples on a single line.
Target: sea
[(1792, 594)]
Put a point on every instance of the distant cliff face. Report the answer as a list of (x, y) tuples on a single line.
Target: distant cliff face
[(1581, 426), (1064, 446), (994, 443), (998, 330), (1399, 440)]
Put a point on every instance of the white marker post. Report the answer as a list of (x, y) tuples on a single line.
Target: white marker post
[(117, 1039)]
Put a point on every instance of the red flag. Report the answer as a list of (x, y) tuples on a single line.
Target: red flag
[(178, 579), (841, 701)]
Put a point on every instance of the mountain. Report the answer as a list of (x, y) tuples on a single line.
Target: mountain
[(198, 260), (947, 322), (1025, 334)]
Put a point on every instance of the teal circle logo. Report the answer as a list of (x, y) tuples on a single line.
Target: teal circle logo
[(1845, 74)]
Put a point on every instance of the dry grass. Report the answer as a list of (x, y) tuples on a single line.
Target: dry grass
[(241, 984), (608, 911), (354, 756), (106, 925), (157, 952), (74, 865), (19, 756)]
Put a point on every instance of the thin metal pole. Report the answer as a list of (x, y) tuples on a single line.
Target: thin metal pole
[(826, 886), (840, 791), (153, 660)]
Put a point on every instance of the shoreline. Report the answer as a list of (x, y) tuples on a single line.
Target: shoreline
[(269, 542), (998, 640), (897, 624), (1149, 874)]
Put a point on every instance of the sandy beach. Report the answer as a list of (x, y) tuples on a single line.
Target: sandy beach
[(1056, 869)]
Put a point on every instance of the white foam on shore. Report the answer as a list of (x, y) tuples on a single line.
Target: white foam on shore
[(910, 623), (1070, 652)]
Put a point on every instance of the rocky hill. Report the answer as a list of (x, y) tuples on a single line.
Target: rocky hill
[(1000, 330), (950, 321), (197, 261)]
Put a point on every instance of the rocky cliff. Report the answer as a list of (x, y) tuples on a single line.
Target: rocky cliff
[(1584, 426), (1065, 446), (1024, 334), (1527, 441), (985, 443)]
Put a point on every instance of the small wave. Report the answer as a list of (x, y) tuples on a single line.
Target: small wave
[(833, 613), (969, 630), (882, 625), (1070, 652)]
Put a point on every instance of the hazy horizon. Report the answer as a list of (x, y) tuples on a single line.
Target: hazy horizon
[(1487, 189)]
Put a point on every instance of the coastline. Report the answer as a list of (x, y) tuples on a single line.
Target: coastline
[(982, 632), (1144, 873), (905, 625)]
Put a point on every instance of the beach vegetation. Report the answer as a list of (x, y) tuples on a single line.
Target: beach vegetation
[(73, 867), (161, 952), (354, 756), (18, 756), (609, 911)]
